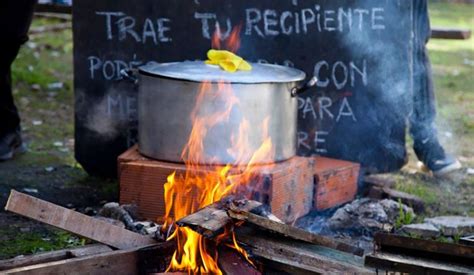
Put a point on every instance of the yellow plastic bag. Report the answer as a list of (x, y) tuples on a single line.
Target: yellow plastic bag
[(228, 61)]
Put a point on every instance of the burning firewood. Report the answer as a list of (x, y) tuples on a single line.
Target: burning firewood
[(271, 249), (211, 220), (272, 241), (288, 231)]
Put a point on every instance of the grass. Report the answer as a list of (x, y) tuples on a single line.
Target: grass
[(418, 187), (28, 243), (453, 68), (403, 218), (46, 59)]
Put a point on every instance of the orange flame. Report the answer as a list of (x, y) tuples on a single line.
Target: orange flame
[(236, 246), (231, 43), (194, 189), (185, 194)]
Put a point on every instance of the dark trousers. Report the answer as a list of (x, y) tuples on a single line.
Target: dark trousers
[(422, 119), (15, 20)]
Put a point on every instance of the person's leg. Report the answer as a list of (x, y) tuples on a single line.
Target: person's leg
[(9, 117), (15, 19), (422, 120)]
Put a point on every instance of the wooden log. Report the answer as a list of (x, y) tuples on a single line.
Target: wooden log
[(392, 262), (52, 256), (116, 262), (211, 220), (292, 232), (309, 257), (75, 222), (450, 33)]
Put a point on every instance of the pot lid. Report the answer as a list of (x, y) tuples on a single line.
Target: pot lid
[(198, 71)]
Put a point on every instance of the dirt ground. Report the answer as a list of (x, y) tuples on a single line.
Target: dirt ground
[(50, 172)]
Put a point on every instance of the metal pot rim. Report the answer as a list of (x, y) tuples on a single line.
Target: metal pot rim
[(198, 71)]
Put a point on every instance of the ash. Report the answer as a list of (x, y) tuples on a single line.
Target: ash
[(356, 222)]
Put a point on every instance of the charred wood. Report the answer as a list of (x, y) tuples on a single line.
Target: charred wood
[(300, 255), (396, 253), (211, 220), (291, 232)]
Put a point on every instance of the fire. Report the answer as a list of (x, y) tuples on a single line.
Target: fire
[(231, 43), (186, 193)]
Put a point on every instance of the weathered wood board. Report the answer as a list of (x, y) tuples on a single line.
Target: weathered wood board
[(75, 222)]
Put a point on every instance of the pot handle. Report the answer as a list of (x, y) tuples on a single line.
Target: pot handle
[(301, 89), (129, 75)]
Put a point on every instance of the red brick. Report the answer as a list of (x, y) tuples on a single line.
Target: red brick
[(287, 187), (335, 182)]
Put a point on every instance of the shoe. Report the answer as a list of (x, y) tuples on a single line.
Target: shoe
[(11, 144), (432, 154), (445, 166)]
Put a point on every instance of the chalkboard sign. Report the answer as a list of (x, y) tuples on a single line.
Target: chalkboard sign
[(360, 51)]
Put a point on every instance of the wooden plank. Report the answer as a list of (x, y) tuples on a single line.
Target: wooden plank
[(384, 241), (231, 262), (133, 261), (271, 267), (75, 222), (292, 232), (87, 250), (415, 265), (54, 256), (469, 240), (312, 258), (450, 33), (116, 262), (211, 220)]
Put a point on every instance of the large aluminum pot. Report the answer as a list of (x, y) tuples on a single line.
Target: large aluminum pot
[(168, 95)]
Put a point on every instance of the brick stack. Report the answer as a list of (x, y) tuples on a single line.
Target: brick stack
[(291, 188)]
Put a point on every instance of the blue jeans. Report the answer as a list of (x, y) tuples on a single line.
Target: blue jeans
[(422, 119)]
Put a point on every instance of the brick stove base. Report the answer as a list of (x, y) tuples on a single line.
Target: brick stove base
[(291, 188)]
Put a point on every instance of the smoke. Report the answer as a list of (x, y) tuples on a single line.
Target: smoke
[(388, 51), (110, 116), (100, 122)]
